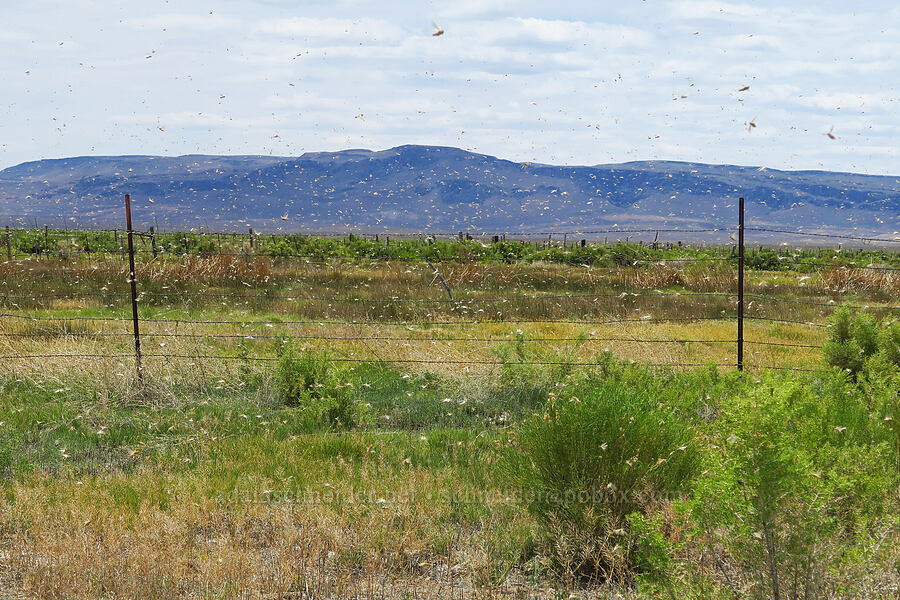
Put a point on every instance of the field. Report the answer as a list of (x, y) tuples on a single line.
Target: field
[(319, 419)]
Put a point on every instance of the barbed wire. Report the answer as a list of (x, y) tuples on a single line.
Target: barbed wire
[(785, 344), (782, 368), (497, 363), (811, 303), (423, 235), (398, 300), (823, 235), (320, 258), (464, 301), (517, 339), (789, 321), (397, 234), (371, 323), (407, 361)]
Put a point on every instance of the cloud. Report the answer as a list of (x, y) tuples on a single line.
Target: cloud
[(347, 31), (577, 82), (711, 9), (183, 22)]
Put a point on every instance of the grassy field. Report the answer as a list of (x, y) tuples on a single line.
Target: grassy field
[(337, 427)]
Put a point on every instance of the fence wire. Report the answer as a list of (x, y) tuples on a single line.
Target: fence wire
[(165, 249)]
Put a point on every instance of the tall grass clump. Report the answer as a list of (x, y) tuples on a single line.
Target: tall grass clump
[(588, 462), (525, 382), (308, 380)]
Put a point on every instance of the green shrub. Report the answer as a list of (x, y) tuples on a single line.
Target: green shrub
[(851, 340), (889, 342), (527, 384), (308, 380), (797, 477), (587, 463), (856, 339)]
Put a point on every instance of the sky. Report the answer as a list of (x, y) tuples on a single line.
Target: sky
[(811, 85)]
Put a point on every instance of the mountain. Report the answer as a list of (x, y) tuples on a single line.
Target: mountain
[(437, 189)]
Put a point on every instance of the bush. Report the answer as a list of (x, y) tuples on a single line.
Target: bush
[(851, 340), (797, 478), (308, 380), (855, 339), (587, 463)]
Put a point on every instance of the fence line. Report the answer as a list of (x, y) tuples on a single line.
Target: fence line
[(825, 235), (521, 339), (359, 360), (397, 300), (496, 299), (398, 361), (372, 323), (152, 236)]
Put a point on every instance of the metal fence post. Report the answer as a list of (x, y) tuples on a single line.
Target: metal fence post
[(8, 245), (740, 323), (132, 280)]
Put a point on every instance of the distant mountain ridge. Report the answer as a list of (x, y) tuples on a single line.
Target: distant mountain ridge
[(433, 188)]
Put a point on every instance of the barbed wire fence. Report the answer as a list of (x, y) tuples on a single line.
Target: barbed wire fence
[(157, 245)]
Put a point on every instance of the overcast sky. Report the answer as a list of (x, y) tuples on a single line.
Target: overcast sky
[(580, 82)]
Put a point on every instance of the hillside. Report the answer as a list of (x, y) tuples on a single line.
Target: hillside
[(427, 188)]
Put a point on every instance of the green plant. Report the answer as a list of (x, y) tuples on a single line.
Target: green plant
[(795, 480), (308, 380), (588, 462), (851, 340)]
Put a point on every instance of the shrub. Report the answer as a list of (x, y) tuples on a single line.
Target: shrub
[(851, 340), (586, 463), (796, 480), (857, 339), (889, 342), (308, 380)]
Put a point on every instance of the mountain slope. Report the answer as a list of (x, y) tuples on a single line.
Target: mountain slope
[(427, 188)]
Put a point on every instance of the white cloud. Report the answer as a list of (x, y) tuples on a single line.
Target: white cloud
[(347, 31), (183, 22), (580, 82), (710, 9)]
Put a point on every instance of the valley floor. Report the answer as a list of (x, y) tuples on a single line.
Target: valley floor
[(554, 430)]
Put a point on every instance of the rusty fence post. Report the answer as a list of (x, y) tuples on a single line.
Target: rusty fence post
[(133, 281)]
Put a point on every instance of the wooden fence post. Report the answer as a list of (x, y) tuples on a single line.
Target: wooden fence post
[(153, 240)]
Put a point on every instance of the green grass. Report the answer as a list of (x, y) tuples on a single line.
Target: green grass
[(219, 478)]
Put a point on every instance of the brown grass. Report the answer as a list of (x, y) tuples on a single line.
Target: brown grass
[(159, 532), (388, 542), (855, 281)]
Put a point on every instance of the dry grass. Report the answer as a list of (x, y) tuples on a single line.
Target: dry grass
[(861, 281), (231, 518), (153, 534)]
